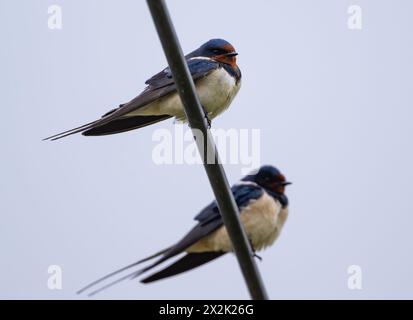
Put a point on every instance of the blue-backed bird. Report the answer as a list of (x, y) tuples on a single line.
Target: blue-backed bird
[(213, 67), (263, 208)]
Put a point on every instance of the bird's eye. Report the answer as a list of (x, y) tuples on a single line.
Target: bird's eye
[(216, 51)]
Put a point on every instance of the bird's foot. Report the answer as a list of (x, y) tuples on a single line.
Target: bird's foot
[(208, 121), (253, 251), (207, 118), (257, 256)]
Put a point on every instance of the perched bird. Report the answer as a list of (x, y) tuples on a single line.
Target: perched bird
[(217, 78), (263, 208)]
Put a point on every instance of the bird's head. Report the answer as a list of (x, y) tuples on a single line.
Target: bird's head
[(218, 50), (271, 179)]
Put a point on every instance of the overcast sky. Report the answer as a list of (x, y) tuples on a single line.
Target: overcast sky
[(334, 110)]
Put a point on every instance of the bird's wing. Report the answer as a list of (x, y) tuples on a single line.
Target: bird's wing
[(187, 262), (243, 193), (209, 220), (159, 85), (124, 124)]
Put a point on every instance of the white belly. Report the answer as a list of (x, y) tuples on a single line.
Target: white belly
[(216, 92), (262, 220)]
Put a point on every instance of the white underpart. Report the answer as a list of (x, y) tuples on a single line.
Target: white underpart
[(263, 220), (216, 92)]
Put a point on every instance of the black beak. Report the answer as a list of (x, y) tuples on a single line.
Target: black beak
[(286, 183), (231, 54)]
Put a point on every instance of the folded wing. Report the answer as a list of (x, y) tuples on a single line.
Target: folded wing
[(159, 85)]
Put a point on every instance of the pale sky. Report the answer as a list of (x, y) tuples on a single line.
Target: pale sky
[(333, 107)]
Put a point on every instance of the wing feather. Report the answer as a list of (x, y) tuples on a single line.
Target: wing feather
[(209, 220), (158, 86)]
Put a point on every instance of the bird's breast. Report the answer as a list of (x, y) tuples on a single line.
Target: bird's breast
[(216, 91), (263, 220)]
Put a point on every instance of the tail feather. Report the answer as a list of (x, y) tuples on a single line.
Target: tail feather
[(71, 131), (94, 283), (132, 275), (111, 284), (188, 262), (105, 126), (124, 124)]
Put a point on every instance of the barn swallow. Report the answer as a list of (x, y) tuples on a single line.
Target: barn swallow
[(263, 208), (213, 67)]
